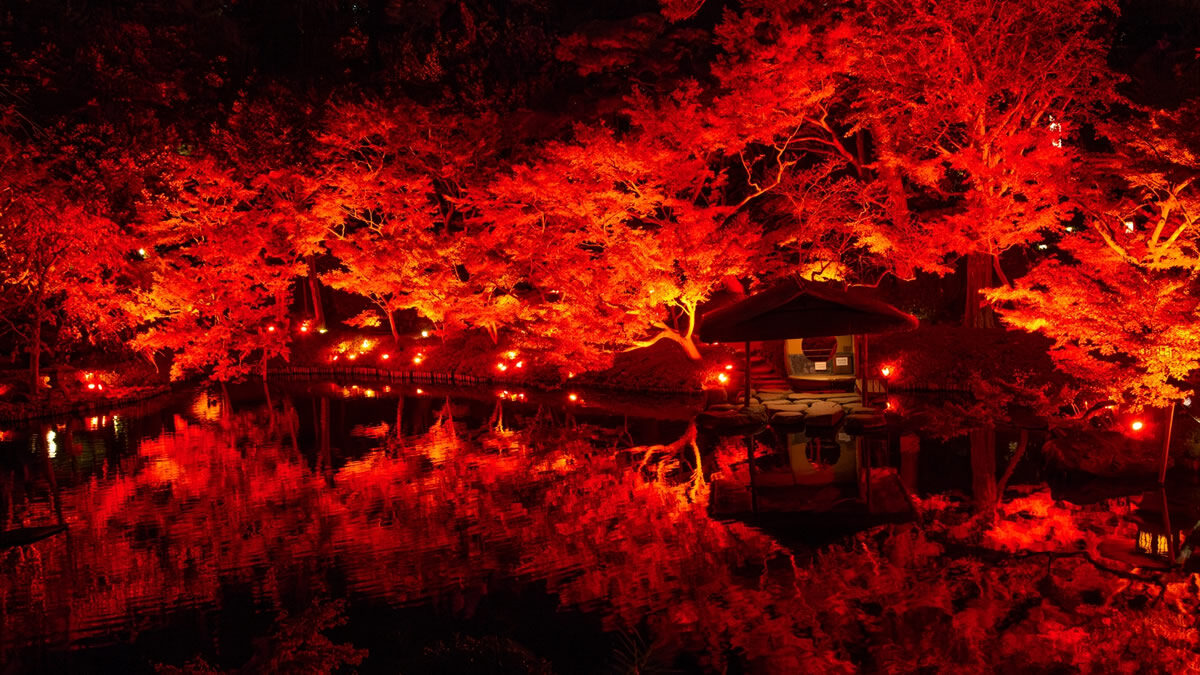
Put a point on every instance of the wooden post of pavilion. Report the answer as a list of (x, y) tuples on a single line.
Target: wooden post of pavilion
[(864, 367), (749, 437), (746, 378)]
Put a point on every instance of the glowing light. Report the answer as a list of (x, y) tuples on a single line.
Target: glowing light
[(1042, 247), (387, 388), (511, 355), (728, 366), (1187, 401), (501, 367), (270, 329), (304, 328), (352, 356), (142, 252), (335, 358), (424, 333), (520, 364), (51, 446), (887, 371), (722, 378), (1129, 226), (420, 391), (1137, 425), (323, 331), (385, 357), (418, 359), (570, 375), (1144, 542), (88, 376), (94, 423), (91, 385), (366, 344), (100, 387), (573, 397)]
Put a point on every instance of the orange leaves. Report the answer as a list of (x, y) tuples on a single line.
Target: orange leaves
[(1034, 523), (1125, 330), (224, 272)]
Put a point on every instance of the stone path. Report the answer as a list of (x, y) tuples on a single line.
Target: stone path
[(796, 410)]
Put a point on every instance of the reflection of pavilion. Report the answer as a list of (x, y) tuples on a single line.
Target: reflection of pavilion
[(822, 460), (847, 480)]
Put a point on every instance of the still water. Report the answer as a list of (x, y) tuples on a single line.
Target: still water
[(314, 526), (430, 534)]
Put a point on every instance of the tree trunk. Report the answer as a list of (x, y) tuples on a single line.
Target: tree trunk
[(983, 468), (35, 347), (897, 200), (314, 287), (979, 277), (687, 342), (689, 346), (1022, 445), (392, 323)]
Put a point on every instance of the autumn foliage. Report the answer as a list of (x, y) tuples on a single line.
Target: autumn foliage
[(692, 154)]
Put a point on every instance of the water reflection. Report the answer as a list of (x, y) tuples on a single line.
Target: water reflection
[(281, 505), (542, 532)]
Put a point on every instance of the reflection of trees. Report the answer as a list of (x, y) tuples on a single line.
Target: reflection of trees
[(444, 516), (437, 517)]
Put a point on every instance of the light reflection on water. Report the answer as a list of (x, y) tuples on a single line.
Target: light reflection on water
[(192, 512)]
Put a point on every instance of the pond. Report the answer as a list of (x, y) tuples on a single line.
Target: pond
[(312, 526)]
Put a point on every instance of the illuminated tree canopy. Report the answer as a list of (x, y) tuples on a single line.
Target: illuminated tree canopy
[(581, 184)]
